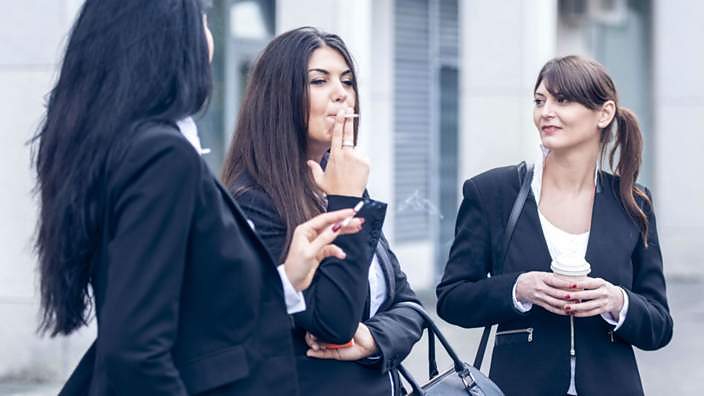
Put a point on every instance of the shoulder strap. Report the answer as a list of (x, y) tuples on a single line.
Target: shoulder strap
[(525, 176)]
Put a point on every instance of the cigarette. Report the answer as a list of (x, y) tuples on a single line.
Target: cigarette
[(351, 115), (347, 221)]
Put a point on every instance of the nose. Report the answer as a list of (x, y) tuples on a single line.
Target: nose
[(339, 94), (547, 111)]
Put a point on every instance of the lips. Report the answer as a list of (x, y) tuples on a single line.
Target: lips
[(550, 129)]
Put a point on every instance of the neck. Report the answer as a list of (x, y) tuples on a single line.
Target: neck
[(571, 170), (316, 151)]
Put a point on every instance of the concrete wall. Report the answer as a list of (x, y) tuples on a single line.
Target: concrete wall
[(679, 137), (503, 46)]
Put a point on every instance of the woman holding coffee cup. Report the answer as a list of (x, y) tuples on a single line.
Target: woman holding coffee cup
[(582, 281)]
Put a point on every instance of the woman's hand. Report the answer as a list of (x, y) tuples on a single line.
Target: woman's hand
[(595, 296), (545, 290), (347, 170), (363, 345), (312, 242)]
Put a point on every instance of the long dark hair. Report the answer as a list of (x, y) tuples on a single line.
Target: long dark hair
[(126, 62), (270, 141), (586, 81)]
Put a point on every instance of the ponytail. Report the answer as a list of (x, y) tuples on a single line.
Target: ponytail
[(629, 144)]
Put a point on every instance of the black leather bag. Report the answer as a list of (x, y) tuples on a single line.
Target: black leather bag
[(463, 379)]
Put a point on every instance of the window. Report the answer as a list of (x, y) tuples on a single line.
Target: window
[(241, 29)]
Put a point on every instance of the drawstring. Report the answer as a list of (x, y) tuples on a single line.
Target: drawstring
[(573, 360)]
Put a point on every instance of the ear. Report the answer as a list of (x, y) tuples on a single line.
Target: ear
[(606, 114)]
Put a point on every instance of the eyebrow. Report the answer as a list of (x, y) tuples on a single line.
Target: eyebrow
[(323, 71)]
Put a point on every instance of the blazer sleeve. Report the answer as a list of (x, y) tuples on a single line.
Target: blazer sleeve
[(335, 298), (466, 297), (648, 324), (396, 329), (146, 257)]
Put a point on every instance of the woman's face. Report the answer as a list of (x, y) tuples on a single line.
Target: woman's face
[(564, 124), (329, 91)]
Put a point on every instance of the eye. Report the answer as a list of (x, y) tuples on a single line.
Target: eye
[(538, 101), (562, 100), (317, 81), (349, 83)]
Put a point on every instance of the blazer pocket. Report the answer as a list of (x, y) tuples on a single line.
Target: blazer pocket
[(517, 336), (215, 369)]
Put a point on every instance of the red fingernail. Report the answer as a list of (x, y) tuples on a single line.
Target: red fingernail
[(567, 308), (574, 286), (336, 227), (567, 296)]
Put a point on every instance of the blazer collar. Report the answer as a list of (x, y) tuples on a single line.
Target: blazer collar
[(189, 129)]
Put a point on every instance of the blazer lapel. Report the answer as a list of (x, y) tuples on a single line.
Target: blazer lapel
[(530, 212), (239, 215), (387, 268)]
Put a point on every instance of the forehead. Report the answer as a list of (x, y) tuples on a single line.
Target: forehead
[(542, 89), (328, 59)]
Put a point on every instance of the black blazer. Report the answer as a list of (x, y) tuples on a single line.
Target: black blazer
[(338, 299), (537, 363), (187, 298)]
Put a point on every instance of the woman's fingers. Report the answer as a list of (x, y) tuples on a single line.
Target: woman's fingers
[(559, 283), (329, 251), (590, 294), (318, 174), (559, 294), (553, 302), (590, 283), (550, 308), (348, 132), (324, 354), (587, 306), (325, 220), (312, 341), (354, 226), (337, 133)]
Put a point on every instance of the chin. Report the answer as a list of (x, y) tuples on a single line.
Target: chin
[(554, 143)]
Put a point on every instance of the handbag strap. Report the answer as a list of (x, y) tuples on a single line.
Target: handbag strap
[(433, 328), (525, 177)]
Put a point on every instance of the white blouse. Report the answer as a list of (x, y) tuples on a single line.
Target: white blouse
[(560, 241)]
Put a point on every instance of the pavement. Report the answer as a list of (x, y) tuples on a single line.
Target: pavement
[(677, 369)]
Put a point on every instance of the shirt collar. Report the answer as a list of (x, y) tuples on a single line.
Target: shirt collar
[(189, 129), (537, 182)]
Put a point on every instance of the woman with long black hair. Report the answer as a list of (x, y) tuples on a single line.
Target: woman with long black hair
[(562, 335), (300, 115), (134, 229)]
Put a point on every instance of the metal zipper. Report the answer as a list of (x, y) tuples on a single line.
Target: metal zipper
[(517, 331), (611, 335)]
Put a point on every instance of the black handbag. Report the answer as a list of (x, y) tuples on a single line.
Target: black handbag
[(463, 379), (460, 379)]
